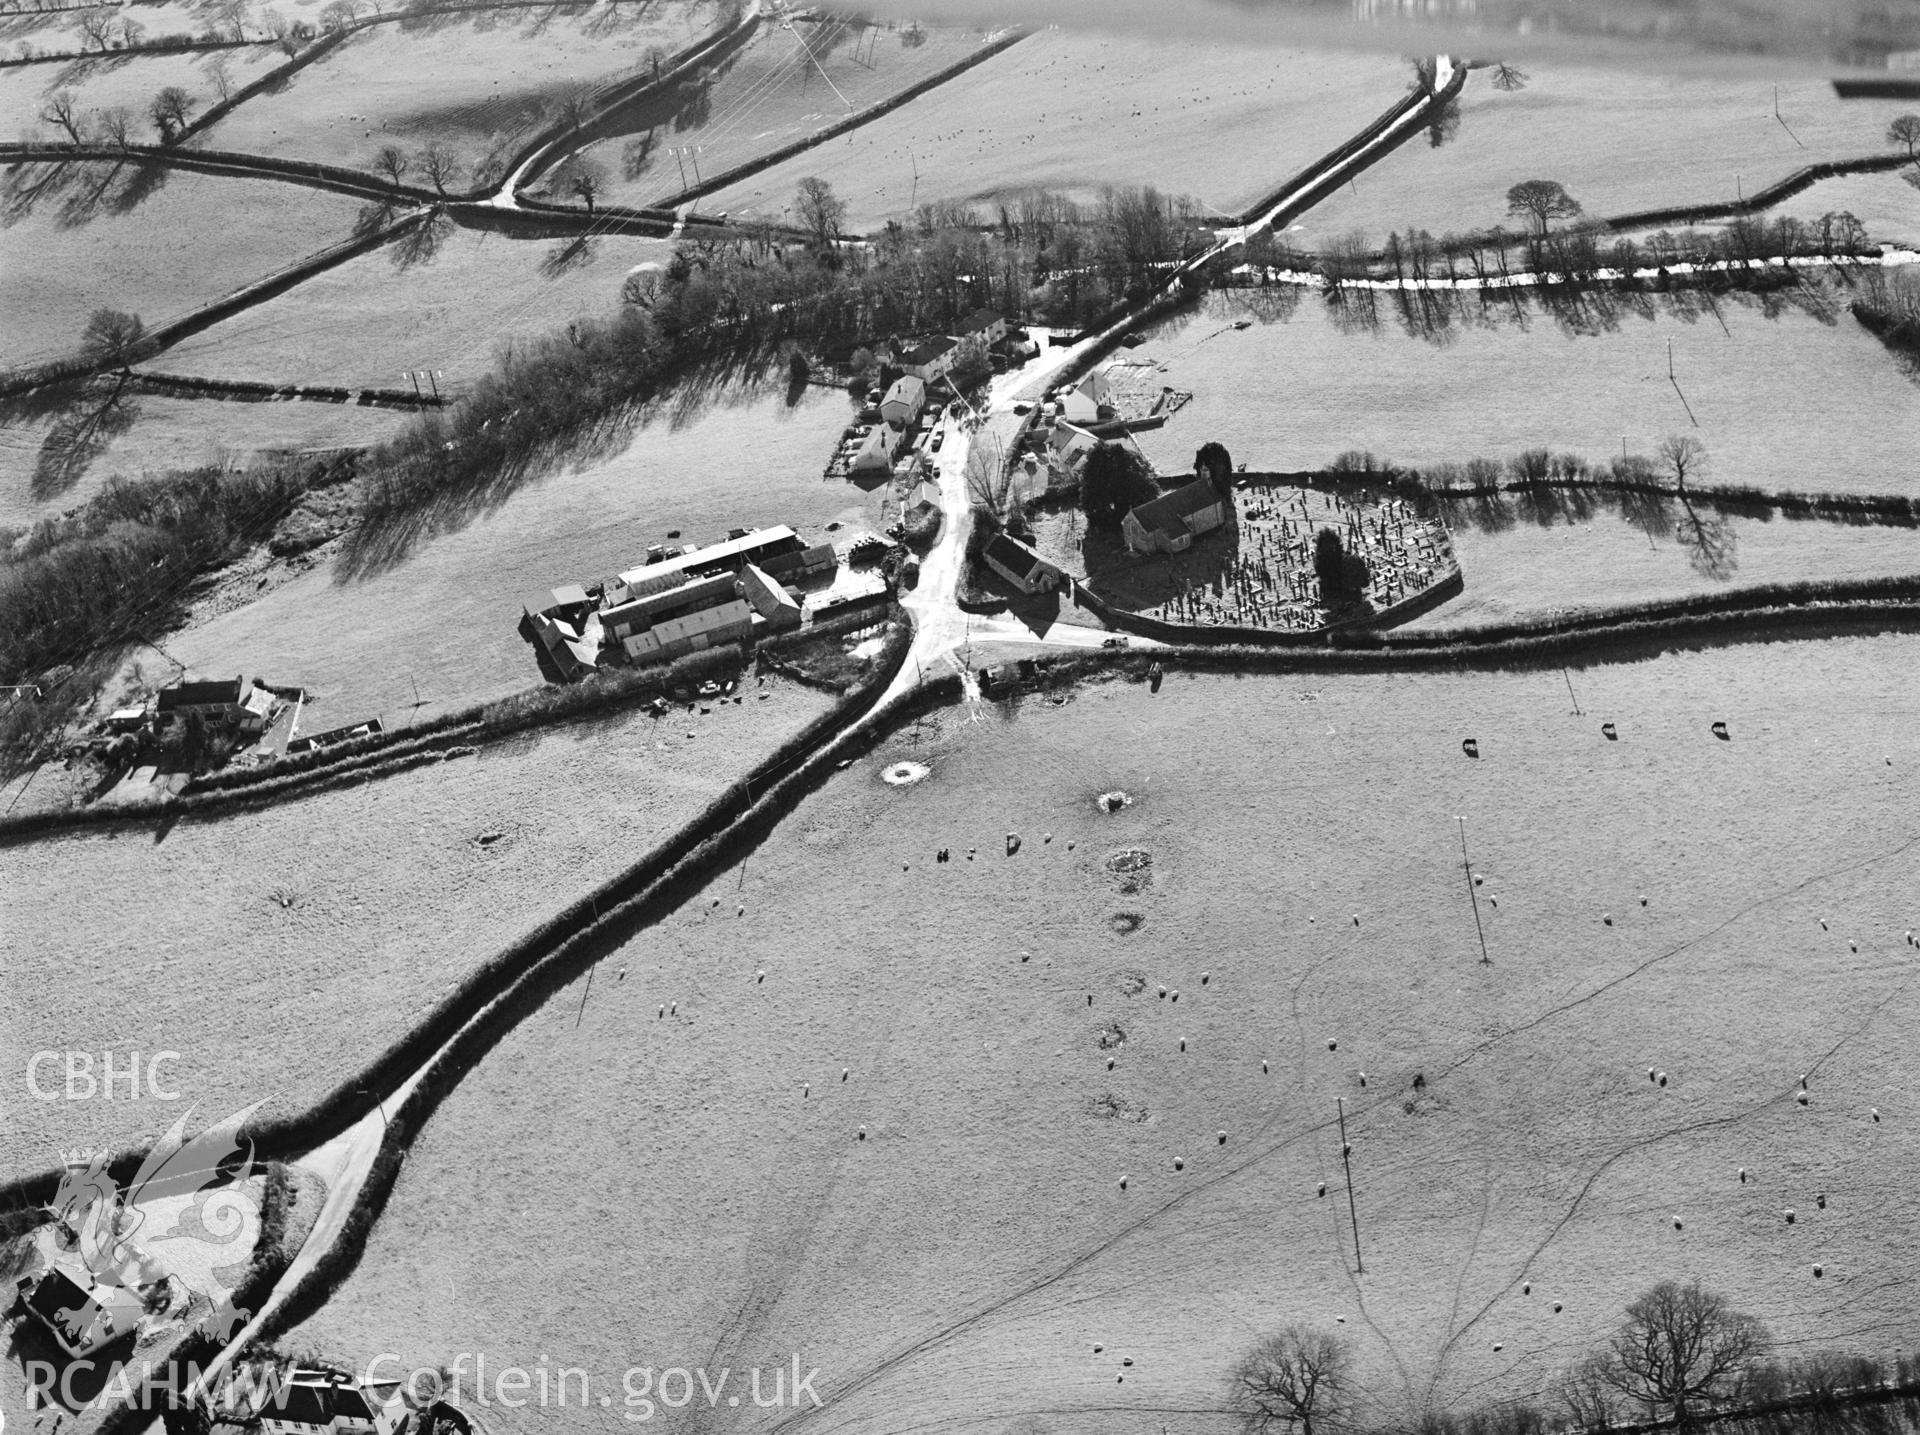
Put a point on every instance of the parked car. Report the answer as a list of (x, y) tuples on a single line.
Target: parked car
[(1114, 643), (939, 437)]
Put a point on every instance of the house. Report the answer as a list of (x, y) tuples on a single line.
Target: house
[(126, 719), (930, 359), (1169, 523), (1021, 566), (223, 704), (81, 1315), (877, 449), (318, 1402), (256, 711), (904, 401), (1068, 444), (1089, 401), (985, 325), (925, 494)]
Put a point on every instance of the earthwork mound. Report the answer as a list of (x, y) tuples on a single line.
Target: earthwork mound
[(1112, 801), (1125, 923), (904, 774)]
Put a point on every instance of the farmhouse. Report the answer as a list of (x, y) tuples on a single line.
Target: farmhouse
[(1068, 444), (1169, 523), (904, 401), (1089, 401), (1020, 565), (236, 704), (316, 1402), (82, 1316)]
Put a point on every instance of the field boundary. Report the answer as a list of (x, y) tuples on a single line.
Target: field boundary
[(1761, 199), (846, 125), (259, 391)]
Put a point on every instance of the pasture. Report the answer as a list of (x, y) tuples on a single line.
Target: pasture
[(100, 221), (439, 597), (1785, 392), (1079, 112), (1586, 556), (1052, 1136), (449, 302), (124, 78), (476, 83), (1620, 140), (279, 950), (786, 83)]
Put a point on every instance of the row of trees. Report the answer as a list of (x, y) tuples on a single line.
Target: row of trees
[(1679, 1350)]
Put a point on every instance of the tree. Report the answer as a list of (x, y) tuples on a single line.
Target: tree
[(62, 111), (111, 336), (1509, 77), (338, 14), (439, 164), (1586, 1394), (1329, 563), (221, 73), (169, 112), (819, 210), (96, 29), (1290, 1379), (1679, 1346), (392, 162), (1214, 462), (1113, 482), (116, 126), (1426, 70), (1683, 456), (1906, 131), (586, 179), (1541, 200)]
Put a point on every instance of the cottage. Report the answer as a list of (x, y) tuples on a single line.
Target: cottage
[(1068, 444), (904, 401), (81, 1315), (929, 360), (1021, 566), (877, 449), (317, 1402), (1169, 523), (985, 325), (1089, 401), (218, 702)]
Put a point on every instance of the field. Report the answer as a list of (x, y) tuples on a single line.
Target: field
[(474, 83), (1081, 112), (123, 78), (1804, 400), (783, 85), (232, 232), (44, 472), (1885, 203), (182, 945), (442, 612), (1602, 558), (1620, 140), (956, 1151), (373, 318)]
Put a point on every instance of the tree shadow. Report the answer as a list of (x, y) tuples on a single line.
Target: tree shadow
[(567, 256), (107, 409), (1711, 543), (80, 190), (422, 243)]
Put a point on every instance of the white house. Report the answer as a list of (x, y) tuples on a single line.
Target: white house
[(1083, 404), (318, 1402), (930, 359), (1068, 444), (904, 401), (877, 449), (985, 325)]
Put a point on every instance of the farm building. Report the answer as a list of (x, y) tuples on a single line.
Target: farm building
[(1068, 444), (651, 609), (904, 401), (81, 1315), (569, 600), (1169, 523), (317, 1402), (572, 652), (1088, 401), (730, 556), (802, 565), (337, 735), (225, 704), (773, 603), (727, 622), (1021, 566)]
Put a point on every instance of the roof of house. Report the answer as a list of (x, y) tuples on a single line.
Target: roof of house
[(62, 1301), (314, 1398), (927, 350), (569, 595), (1012, 555), (220, 693), (1170, 511), (908, 388), (980, 319)]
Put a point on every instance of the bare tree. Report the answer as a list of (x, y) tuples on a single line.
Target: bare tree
[(1290, 1380), (96, 29), (1680, 1346), (586, 179), (169, 112), (111, 336), (220, 71), (819, 210), (1426, 70), (116, 126), (1906, 131), (1683, 456), (62, 111), (1586, 1394), (1541, 200), (338, 14), (392, 162), (439, 164), (1509, 77)]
